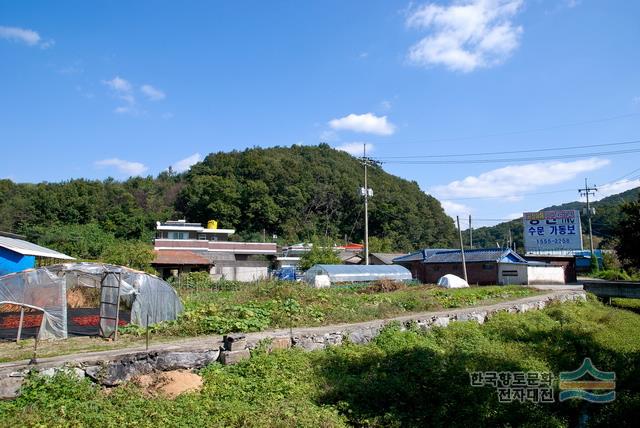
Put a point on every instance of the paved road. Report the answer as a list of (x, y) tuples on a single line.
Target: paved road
[(555, 287)]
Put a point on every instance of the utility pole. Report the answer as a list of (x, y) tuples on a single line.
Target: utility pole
[(589, 191), (470, 233), (464, 263), (366, 207), (366, 192)]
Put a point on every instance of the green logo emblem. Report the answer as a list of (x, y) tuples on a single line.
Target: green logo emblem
[(599, 389)]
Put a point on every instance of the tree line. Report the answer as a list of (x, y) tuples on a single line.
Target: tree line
[(292, 193)]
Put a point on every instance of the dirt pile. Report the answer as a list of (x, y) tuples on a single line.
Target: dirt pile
[(170, 384)]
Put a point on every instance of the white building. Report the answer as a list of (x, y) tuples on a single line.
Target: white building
[(186, 247)]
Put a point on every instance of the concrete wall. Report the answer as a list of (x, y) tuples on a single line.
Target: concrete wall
[(242, 273), (567, 263), (545, 275), (511, 273)]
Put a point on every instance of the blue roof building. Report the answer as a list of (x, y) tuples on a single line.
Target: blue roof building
[(485, 266), (17, 255)]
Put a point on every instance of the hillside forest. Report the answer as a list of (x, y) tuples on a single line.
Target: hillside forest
[(288, 195)]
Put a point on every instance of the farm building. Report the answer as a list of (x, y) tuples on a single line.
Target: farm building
[(326, 275), (484, 267), (16, 254)]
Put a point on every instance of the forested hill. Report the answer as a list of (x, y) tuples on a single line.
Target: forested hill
[(603, 222), (295, 193)]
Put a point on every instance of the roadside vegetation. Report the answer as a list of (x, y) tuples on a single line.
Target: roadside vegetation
[(219, 307), (402, 378), (247, 307)]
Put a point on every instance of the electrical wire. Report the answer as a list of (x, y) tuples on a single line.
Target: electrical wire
[(501, 160), (544, 149), (527, 131)]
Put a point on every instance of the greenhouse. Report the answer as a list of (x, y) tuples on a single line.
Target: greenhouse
[(325, 275), (37, 302)]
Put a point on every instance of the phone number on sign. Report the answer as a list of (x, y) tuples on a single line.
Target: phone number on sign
[(553, 241)]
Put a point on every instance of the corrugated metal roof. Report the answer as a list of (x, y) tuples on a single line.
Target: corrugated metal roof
[(387, 258), (420, 255), (412, 257), (29, 249), (479, 255)]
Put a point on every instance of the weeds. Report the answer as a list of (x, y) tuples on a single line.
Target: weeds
[(402, 378)]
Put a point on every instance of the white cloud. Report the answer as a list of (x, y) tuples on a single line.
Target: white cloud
[(123, 166), (123, 89), (184, 164), (454, 209), (329, 136), (22, 35), (466, 35), (617, 187), (365, 123), (385, 105), (355, 148), (513, 180), (126, 110), (119, 84), (154, 94)]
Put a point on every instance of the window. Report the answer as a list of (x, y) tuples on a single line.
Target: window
[(487, 266), (509, 273), (178, 235), (202, 237)]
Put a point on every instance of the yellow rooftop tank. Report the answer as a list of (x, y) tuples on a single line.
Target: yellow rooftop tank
[(212, 224)]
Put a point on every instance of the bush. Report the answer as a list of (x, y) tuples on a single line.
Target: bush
[(610, 261), (616, 275)]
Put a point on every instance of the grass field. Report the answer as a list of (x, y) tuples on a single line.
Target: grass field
[(273, 304), (402, 378)]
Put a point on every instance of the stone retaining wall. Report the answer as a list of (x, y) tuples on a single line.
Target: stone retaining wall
[(115, 367)]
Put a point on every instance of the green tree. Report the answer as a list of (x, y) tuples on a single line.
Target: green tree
[(381, 245), (133, 254), (628, 235), (321, 252)]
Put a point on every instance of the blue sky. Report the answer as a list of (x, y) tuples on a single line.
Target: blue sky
[(97, 89)]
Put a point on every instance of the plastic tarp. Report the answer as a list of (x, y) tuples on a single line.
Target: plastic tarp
[(357, 273), (45, 289), (452, 281)]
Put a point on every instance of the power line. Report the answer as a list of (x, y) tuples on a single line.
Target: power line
[(500, 160), (509, 196), (526, 131), (545, 149)]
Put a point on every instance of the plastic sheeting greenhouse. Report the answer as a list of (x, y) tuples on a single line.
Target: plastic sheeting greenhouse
[(325, 275), (45, 289)]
